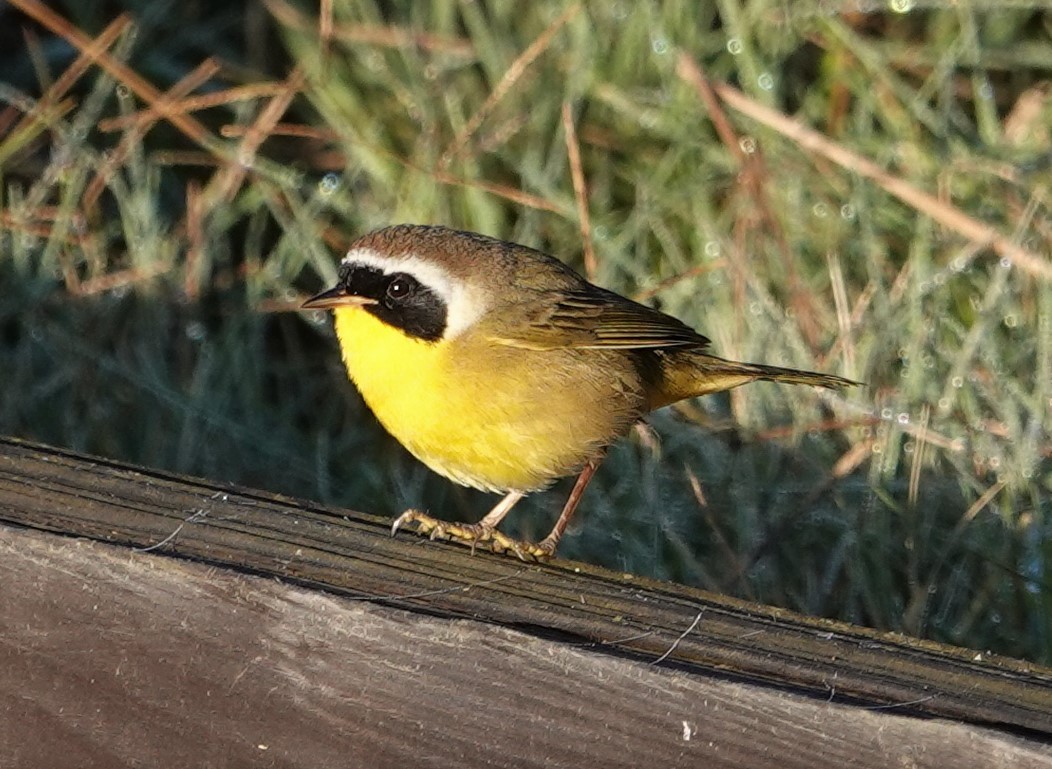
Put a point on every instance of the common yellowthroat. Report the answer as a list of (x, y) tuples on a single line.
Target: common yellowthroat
[(501, 368)]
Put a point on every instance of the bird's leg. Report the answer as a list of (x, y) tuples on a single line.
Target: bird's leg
[(467, 533), (546, 547), (485, 531)]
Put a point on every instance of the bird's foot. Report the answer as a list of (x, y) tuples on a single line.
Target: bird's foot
[(473, 535)]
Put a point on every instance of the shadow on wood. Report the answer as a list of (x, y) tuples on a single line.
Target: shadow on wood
[(421, 655)]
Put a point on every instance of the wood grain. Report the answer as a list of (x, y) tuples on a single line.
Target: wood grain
[(603, 620), (111, 658)]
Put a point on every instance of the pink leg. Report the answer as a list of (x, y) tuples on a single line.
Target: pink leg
[(549, 543), (485, 531)]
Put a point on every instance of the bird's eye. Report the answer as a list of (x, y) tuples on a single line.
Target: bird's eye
[(400, 287)]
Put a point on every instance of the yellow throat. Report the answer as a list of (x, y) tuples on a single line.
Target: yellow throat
[(445, 417)]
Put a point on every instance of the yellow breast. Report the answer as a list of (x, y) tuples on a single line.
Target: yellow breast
[(477, 413)]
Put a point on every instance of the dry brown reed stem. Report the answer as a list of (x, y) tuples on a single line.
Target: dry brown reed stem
[(52, 97), (756, 181), (225, 183), (325, 27), (195, 239), (507, 82), (945, 214), (147, 117), (138, 85), (513, 194), (199, 102), (385, 37), (580, 189)]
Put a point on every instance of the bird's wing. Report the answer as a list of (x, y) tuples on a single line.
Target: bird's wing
[(590, 318)]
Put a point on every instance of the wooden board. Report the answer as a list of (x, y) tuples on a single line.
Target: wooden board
[(426, 655), (111, 658)]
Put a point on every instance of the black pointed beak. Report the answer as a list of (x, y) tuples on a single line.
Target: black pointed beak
[(337, 296)]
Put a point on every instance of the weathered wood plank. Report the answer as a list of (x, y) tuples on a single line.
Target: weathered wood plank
[(112, 658), (353, 555)]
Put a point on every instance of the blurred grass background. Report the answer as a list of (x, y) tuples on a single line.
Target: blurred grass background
[(176, 178)]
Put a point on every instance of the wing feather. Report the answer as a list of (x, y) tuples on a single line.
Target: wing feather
[(591, 318)]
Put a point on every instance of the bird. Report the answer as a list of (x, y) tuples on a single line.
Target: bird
[(502, 369)]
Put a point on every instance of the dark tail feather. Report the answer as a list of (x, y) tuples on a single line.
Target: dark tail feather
[(692, 373), (796, 376)]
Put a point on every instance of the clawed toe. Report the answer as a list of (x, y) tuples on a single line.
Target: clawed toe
[(472, 535), (526, 551), (411, 516), (434, 528)]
